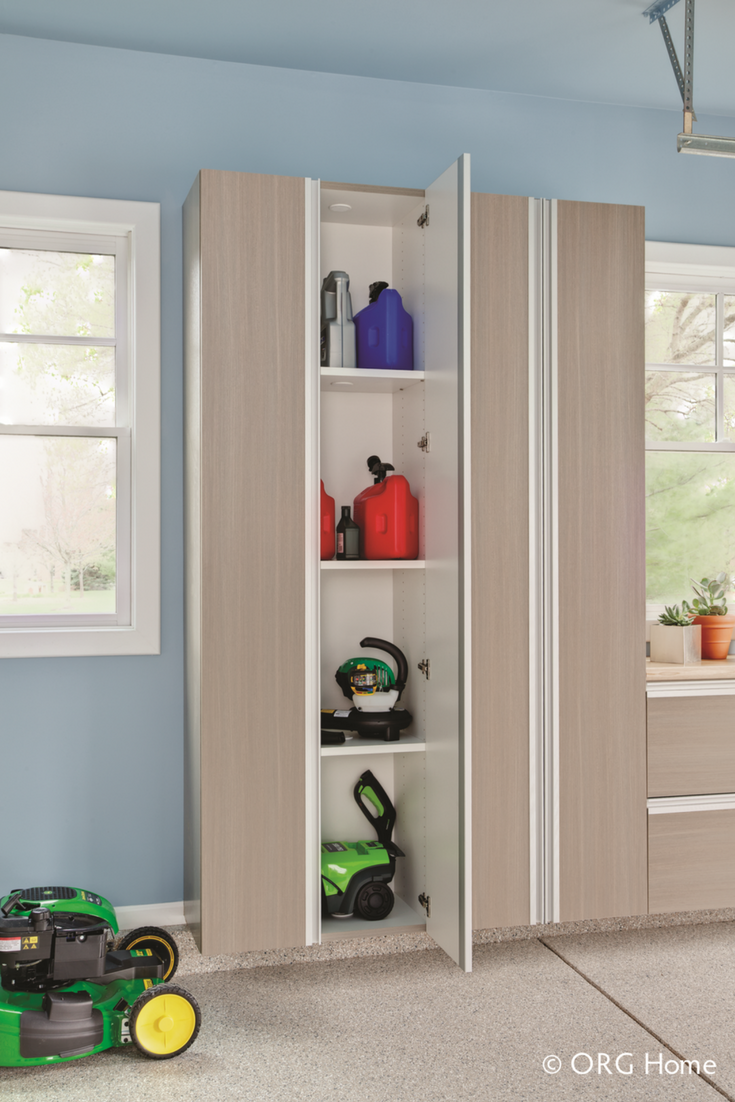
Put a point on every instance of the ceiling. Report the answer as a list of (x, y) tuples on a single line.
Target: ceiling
[(597, 50)]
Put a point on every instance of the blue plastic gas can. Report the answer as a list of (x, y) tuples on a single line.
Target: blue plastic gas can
[(385, 333)]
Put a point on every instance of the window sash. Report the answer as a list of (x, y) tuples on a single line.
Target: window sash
[(720, 443), (709, 269), (107, 245)]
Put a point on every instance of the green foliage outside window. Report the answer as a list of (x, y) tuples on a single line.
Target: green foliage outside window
[(690, 495), (62, 545)]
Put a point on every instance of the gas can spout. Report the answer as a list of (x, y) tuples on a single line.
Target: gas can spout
[(378, 469)]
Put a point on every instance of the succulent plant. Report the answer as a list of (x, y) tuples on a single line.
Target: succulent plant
[(674, 617), (710, 599)]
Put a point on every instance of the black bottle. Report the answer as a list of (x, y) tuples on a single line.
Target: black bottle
[(348, 536)]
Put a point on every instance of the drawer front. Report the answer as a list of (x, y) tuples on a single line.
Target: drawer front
[(691, 745), (691, 859)]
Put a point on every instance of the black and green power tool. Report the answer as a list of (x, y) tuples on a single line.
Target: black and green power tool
[(373, 690), (356, 875)]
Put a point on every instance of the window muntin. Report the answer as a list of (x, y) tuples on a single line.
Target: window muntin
[(690, 434), (63, 410)]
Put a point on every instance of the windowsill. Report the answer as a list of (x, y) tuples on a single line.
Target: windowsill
[(81, 642)]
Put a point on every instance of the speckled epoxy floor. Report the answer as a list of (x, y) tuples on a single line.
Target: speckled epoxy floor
[(394, 1027)]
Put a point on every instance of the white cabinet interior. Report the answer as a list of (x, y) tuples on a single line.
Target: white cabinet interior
[(415, 606)]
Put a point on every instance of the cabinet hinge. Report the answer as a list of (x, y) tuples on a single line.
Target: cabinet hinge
[(425, 442), (425, 901), (425, 667), (423, 221)]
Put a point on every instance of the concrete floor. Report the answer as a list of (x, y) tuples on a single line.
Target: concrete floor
[(394, 1028)]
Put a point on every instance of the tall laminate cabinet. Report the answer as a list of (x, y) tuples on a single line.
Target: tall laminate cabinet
[(559, 748), (266, 625), (521, 789)]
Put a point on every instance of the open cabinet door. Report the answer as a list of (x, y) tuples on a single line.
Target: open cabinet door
[(448, 726)]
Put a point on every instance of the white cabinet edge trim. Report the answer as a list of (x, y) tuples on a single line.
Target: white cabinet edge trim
[(535, 580), (543, 529), (311, 560), (690, 688), (667, 805), (464, 350)]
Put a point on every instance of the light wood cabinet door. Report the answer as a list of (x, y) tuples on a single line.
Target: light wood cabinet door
[(244, 242), (602, 721), (500, 561)]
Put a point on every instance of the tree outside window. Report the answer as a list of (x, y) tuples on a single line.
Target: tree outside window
[(690, 440), (59, 432)]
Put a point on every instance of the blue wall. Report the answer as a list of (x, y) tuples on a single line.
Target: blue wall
[(91, 749)]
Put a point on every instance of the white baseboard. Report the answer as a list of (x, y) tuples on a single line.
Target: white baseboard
[(150, 914)]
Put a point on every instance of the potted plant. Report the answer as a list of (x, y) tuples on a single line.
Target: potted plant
[(710, 610), (675, 638)]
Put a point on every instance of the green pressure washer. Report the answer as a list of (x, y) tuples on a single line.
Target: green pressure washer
[(67, 990), (355, 875)]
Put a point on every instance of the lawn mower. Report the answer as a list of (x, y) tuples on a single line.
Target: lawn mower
[(355, 875), (370, 685), (66, 992)]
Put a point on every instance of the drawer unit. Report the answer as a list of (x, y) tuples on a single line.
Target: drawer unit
[(691, 745), (691, 859)]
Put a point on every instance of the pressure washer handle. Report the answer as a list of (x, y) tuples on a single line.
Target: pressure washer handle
[(369, 787), (396, 653)]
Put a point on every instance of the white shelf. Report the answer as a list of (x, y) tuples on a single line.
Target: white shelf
[(373, 564), (402, 919), (406, 744), (357, 380)]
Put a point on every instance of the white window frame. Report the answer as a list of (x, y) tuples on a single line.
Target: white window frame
[(139, 224), (677, 267)]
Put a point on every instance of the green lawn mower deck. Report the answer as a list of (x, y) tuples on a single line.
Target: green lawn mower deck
[(66, 991), (356, 875)]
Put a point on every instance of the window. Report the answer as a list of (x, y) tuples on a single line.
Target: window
[(79, 426), (690, 419)]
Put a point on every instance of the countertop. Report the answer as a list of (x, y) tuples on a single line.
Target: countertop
[(706, 670)]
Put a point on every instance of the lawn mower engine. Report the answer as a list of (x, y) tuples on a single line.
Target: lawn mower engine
[(44, 946)]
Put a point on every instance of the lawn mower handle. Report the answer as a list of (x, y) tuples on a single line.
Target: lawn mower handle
[(394, 652), (11, 903)]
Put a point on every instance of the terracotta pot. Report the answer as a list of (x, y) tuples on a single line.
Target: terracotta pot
[(716, 635)]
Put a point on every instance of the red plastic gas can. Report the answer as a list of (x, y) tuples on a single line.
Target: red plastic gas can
[(326, 524), (388, 515)]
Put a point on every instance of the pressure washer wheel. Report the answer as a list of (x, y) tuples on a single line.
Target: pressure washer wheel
[(164, 1021), (374, 901), (158, 941)]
